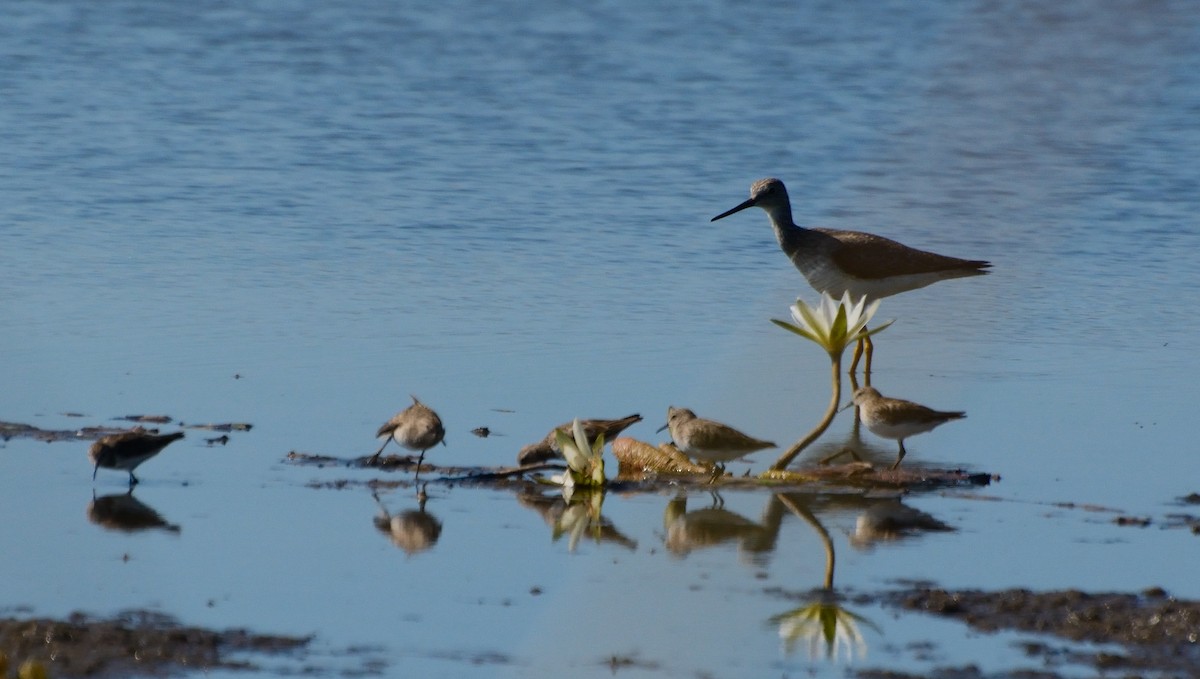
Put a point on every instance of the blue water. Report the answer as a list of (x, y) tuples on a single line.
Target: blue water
[(297, 214)]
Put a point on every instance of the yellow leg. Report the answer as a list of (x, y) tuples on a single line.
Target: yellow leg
[(858, 352), (864, 345), (869, 349)]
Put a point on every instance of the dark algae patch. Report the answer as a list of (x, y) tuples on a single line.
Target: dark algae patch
[(134, 643), (1155, 633)]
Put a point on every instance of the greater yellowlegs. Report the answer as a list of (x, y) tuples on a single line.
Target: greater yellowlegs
[(862, 264)]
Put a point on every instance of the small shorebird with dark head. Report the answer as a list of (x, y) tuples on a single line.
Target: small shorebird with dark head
[(416, 428), (709, 441), (128, 449), (894, 418), (547, 448), (862, 264)]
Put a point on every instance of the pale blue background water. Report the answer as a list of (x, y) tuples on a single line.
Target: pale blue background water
[(506, 207)]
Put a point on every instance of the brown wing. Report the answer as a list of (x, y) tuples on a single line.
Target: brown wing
[(870, 257), (388, 427), (895, 410), (134, 443), (718, 436)]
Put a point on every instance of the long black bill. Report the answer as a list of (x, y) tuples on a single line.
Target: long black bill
[(743, 206)]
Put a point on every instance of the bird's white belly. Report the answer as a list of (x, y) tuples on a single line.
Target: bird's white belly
[(897, 431), (823, 276)]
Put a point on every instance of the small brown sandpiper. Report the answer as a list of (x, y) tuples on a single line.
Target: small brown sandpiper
[(128, 449), (862, 264), (416, 427), (709, 441), (894, 418), (547, 448)]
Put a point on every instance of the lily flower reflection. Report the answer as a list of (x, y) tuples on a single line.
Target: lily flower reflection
[(576, 518), (585, 461), (829, 630), (581, 517)]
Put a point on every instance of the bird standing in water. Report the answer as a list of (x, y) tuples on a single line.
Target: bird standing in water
[(416, 428), (709, 441), (862, 264), (894, 418), (128, 449)]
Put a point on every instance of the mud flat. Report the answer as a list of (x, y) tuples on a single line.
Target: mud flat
[(1146, 634), (134, 643)]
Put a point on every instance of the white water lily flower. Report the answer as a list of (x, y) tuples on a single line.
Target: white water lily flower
[(585, 462), (833, 324)]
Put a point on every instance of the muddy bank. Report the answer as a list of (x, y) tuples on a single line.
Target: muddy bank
[(11, 430), (134, 643), (1153, 632)]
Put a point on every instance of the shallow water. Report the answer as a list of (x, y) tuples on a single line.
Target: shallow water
[(297, 215)]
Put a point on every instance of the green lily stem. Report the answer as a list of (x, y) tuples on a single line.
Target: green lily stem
[(791, 453)]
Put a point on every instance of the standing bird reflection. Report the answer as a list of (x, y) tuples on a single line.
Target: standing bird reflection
[(862, 264)]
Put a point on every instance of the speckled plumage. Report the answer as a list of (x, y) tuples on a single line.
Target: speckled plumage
[(417, 428), (707, 440), (547, 448), (127, 450), (894, 418)]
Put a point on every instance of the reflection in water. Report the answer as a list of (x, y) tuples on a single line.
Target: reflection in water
[(126, 513), (829, 629), (892, 520), (414, 530), (579, 517), (714, 525), (824, 623)]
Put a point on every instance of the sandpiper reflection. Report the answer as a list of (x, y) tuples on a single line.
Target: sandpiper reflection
[(891, 519), (714, 525), (413, 530), (124, 512)]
